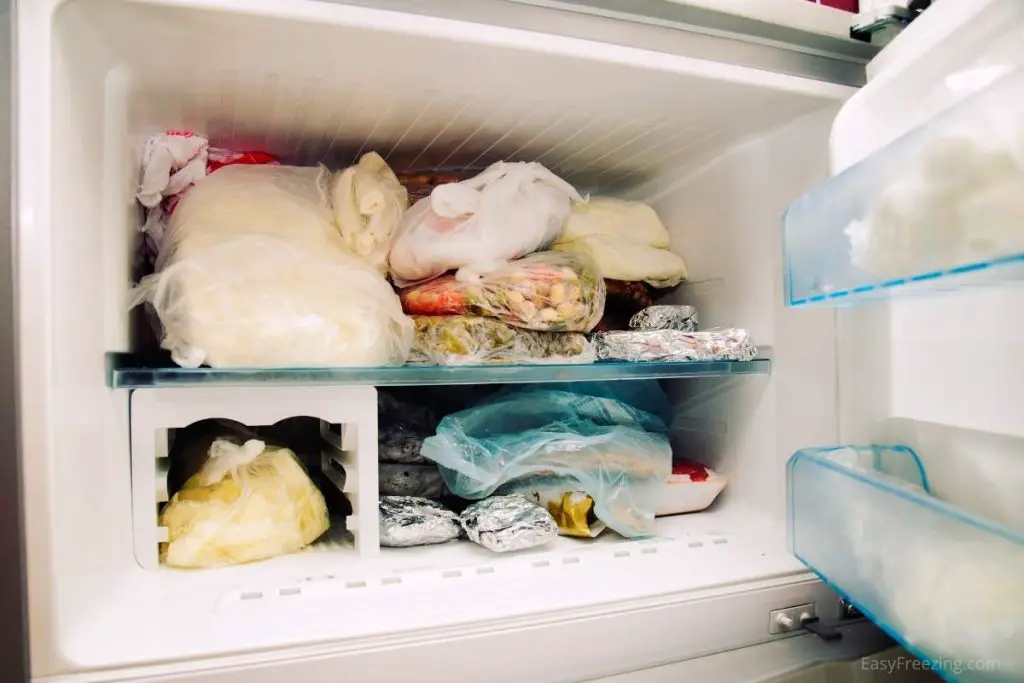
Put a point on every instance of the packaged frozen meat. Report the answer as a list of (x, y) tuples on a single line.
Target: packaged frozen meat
[(248, 502), (681, 318), (622, 301), (508, 523), (468, 340), (408, 521), (547, 291), (508, 211), (402, 427), (626, 239), (572, 509), (368, 205), (421, 481), (691, 488), (617, 453), (673, 345), (420, 185), (254, 273)]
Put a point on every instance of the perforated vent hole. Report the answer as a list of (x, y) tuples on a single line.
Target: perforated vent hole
[(649, 550), (485, 570), (451, 574), (355, 584), (570, 560), (291, 590), (694, 544), (541, 563), (622, 553), (391, 580), (252, 595), (720, 541)]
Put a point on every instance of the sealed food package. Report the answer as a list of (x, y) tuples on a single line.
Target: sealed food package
[(254, 273), (507, 523), (617, 453), (467, 340), (190, 447), (402, 427), (508, 211), (673, 345), (626, 239), (408, 521), (368, 205), (572, 510), (548, 291), (248, 502), (422, 481), (682, 318), (691, 488), (420, 185)]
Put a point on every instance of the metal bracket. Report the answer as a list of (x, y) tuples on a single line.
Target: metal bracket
[(880, 25)]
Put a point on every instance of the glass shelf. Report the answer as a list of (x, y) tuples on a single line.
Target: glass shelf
[(125, 371), (947, 584), (940, 208)]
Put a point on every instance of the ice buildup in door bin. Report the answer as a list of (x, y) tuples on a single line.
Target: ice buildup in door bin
[(508, 211), (253, 272), (248, 502)]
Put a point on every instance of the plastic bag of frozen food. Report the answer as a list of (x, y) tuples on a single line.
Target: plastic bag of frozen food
[(368, 205), (548, 291), (248, 502), (626, 239), (508, 211), (467, 340), (571, 509), (253, 272), (618, 454)]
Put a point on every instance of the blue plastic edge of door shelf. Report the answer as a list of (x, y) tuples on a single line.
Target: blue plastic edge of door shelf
[(818, 267)]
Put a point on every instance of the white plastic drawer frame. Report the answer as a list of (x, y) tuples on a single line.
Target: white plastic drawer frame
[(155, 411)]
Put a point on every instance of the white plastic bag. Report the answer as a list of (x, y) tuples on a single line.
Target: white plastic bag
[(368, 204), (508, 211), (626, 239), (247, 503), (254, 273)]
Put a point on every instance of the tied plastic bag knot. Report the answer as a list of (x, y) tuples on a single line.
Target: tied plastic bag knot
[(508, 211), (227, 458)]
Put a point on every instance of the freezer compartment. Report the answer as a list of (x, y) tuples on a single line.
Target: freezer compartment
[(939, 208), (945, 582)]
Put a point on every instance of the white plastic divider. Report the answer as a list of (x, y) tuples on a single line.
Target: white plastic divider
[(155, 411)]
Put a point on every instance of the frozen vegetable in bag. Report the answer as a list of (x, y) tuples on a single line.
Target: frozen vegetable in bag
[(549, 291), (253, 272), (247, 503), (601, 443), (508, 211), (467, 340)]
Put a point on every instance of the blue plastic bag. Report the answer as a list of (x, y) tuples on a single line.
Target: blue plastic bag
[(615, 452)]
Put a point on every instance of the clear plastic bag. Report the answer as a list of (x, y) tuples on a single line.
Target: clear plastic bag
[(253, 273), (368, 205), (601, 443), (508, 211), (247, 503), (549, 291), (467, 340), (626, 239)]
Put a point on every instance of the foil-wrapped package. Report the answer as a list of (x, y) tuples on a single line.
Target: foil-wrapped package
[(507, 523), (407, 521), (682, 318), (423, 481), (673, 345)]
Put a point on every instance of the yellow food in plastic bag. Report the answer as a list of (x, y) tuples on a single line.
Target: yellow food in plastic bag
[(247, 503)]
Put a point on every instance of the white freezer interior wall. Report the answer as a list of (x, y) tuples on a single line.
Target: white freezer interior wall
[(664, 131)]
